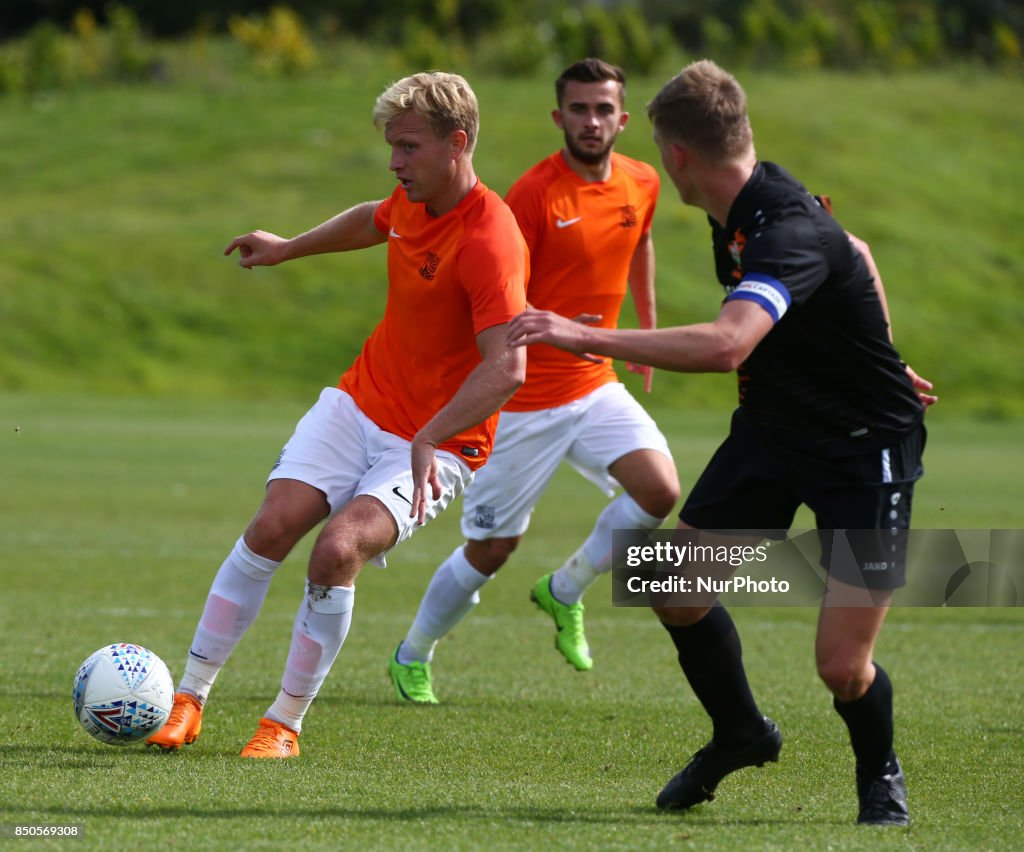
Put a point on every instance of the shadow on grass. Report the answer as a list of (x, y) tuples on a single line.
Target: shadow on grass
[(71, 758), (86, 758), (518, 814)]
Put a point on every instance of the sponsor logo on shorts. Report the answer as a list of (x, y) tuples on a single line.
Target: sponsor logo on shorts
[(398, 493), (277, 464), (485, 517)]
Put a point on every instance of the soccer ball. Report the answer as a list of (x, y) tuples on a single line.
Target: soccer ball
[(122, 693)]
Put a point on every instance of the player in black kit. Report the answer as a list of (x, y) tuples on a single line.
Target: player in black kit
[(828, 417)]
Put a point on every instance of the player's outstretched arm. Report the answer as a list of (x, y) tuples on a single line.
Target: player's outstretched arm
[(488, 387), (352, 229), (710, 347), (921, 385)]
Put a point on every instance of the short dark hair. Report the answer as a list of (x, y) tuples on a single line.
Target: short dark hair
[(590, 70), (705, 107)]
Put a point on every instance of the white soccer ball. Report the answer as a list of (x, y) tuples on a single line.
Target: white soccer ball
[(122, 693)]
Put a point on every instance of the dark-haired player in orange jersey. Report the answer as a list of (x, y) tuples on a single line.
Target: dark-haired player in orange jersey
[(408, 424), (586, 214)]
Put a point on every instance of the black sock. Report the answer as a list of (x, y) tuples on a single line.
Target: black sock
[(711, 657), (869, 719)]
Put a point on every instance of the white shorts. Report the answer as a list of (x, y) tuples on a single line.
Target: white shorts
[(590, 433), (340, 451)]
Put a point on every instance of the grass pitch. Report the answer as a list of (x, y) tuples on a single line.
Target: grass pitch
[(115, 514)]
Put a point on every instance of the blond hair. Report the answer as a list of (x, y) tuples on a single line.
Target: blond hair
[(445, 101), (705, 108)]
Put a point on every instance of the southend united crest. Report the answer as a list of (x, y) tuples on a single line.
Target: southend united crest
[(429, 267), (484, 517), (629, 217)]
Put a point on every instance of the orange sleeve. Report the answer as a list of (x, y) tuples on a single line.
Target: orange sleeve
[(525, 199), (382, 215), (493, 271)]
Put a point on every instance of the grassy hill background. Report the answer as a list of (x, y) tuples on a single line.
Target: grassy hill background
[(116, 203)]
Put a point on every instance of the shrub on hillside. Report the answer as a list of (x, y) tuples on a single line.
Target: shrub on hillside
[(49, 59), (278, 41), (645, 44), (12, 72), (48, 62), (130, 56), (619, 35), (518, 51)]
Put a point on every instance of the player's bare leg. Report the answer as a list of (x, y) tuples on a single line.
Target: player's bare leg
[(650, 478), (488, 555)]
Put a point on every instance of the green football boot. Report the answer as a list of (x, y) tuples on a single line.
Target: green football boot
[(412, 681), (569, 640)]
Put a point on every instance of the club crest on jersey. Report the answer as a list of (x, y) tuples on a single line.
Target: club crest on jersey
[(629, 217), (736, 246), (429, 267)]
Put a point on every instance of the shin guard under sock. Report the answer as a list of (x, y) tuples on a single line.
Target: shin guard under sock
[(869, 721), (711, 657)]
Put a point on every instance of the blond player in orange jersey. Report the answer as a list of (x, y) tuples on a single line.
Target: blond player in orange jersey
[(586, 214), (410, 421)]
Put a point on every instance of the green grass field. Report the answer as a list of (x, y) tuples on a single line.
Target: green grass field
[(116, 513)]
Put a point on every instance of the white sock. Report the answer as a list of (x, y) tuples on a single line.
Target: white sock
[(232, 604), (320, 628), (453, 591), (594, 556)]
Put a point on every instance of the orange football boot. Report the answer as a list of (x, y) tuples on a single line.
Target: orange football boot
[(272, 739), (183, 724)]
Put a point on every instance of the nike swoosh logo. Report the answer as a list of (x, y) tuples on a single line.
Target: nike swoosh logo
[(398, 493), (395, 234), (565, 223)]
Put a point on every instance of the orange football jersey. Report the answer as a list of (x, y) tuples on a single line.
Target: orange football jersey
[(449, 278), (582, 237)]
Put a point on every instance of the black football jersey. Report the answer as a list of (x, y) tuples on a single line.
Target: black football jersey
[(825, 378)]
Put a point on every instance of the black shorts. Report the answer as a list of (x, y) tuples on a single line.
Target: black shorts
[(754, 483)]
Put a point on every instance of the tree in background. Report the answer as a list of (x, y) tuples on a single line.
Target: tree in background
[(53, 44)]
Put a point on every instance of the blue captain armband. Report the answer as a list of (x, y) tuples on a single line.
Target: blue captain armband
[(770, 293)]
